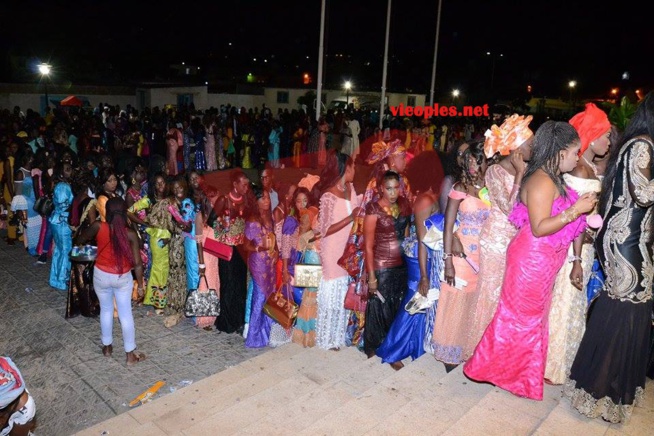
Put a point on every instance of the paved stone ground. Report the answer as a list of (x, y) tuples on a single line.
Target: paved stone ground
[(73, 384)]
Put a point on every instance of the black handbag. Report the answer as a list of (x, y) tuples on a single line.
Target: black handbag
[(202, 303), (43, 205)]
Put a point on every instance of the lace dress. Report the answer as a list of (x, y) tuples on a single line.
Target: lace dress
[(495, 236), (568, 310), (456, 306), (608, 374), (332, 316), (513, 349)]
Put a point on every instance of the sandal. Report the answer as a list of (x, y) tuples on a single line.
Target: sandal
[(138, 355), (107, 350)]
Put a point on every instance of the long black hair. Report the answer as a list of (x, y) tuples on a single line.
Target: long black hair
[(551, 138), (641, 123)]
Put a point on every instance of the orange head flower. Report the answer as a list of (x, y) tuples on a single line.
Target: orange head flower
[(513, 132)]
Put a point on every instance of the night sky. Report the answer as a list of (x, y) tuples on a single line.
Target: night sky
[(544, 44)]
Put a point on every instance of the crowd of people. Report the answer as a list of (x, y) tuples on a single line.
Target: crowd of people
[(501, 241)]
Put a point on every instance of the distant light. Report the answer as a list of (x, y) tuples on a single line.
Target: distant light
[(229, 43), (528, 88), (198, 68), (455, 93), (348, 85), (614, 91), (206, 83), (265, 60), (254, 59), (625, 75), (572, 83), (638, 91), (307, 57), (183, 63), (487, 53), (501, 55), (44, 69)]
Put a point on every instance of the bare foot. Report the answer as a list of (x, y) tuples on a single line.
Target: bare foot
[(335, 349), (370, 353), (107, 350), (397, 365), (134, 357)]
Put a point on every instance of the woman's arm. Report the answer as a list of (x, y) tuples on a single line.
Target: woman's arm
[(199, 237), (135, 244), (422, 210), (88, 234), (9, 178), (143, 203), (577, 273), (540, 195), (641, 185), (369, 224), (448, 235)]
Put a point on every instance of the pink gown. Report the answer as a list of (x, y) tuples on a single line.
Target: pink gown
[(513, 349)]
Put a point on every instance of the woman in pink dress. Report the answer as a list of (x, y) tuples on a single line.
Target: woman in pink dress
[(457, 300), (513, 141), (513, 349), (174, 140)]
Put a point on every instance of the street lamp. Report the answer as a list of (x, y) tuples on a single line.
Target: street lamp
[(571, 85), (45, 69), (348, 86), (455, 94), (493, 57)]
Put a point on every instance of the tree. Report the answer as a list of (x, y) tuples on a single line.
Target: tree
[(620, 114)]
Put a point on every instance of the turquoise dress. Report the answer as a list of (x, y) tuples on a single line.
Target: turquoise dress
[(189, 211), (60, 268)]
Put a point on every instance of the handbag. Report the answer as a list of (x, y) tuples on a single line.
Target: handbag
[(202, 303), (356, 297), (218, 249), (307, 275), (43, 205), (350, 261), (281, 308)]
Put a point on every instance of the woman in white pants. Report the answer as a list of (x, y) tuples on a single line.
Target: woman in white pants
[(118, 254)]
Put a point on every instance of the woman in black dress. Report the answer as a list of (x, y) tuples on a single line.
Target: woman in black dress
[(607, 378)]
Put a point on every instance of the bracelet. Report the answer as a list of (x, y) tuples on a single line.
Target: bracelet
[(372, 281), (569, 215), (446, 255), (574, 258), (202, 265)]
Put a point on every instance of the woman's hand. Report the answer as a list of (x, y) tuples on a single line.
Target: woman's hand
[(286, 277), (517, 162), (449, 272), (355, 212), (423, 286), (457, 247), (577, 275), (586, 202)]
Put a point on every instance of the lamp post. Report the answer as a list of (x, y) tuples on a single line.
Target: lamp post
[(45, 69), (348, 86), (493, 57), (571, 85)]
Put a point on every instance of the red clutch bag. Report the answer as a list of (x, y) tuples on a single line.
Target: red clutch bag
[(218, 249)]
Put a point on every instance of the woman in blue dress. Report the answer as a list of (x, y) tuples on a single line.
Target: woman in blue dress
[(23, 201), (407, 333), (62, 200)]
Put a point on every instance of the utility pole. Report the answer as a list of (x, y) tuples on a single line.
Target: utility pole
[(433, 70), (321, 49), (383, 90)]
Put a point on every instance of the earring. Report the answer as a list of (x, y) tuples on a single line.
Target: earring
[(592, 143)]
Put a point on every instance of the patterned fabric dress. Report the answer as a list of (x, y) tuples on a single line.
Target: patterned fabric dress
[(608, 375), (263, 277), (210, 148), (513, 349), (495, 236), (60, 267), (332, 316), (213, 279), (568, 310), (456, 307)]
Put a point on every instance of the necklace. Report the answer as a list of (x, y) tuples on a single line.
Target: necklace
[(592, 167), (236, 200), (342, 189)]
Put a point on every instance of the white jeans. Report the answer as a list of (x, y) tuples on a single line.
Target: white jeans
[(107, 286)]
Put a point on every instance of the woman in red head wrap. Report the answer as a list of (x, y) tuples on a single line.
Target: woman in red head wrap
[(567, 319)]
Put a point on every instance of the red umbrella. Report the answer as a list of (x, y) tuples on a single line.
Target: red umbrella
[(71, 100)]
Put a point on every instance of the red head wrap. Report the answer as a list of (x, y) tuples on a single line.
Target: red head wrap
[(590, 125)]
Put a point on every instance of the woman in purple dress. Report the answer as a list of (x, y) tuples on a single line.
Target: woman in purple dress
[(262, 258)]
